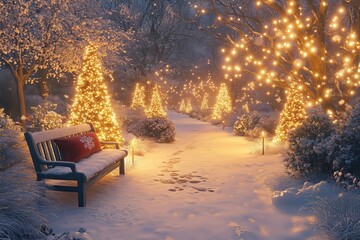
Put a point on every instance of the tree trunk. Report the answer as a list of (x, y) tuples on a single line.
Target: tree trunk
[(21, 98), (43, 85)]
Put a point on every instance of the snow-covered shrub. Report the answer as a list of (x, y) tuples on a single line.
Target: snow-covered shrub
[(347, 180), (338, 217), (161, 130), (10, 140), (246, 123), (19, 216), (344, 148), (307, 152), (45, 118)]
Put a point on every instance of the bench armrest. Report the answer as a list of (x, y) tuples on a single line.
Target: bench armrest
[(61, 164), (117, 144)]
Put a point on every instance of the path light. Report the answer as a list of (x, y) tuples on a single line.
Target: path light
[(133, 142), (223, 124), (263, 142)]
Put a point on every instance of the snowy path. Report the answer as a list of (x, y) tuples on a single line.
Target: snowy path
[(209, 184)]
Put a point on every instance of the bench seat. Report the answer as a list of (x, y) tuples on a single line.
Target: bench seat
[(89, 166)]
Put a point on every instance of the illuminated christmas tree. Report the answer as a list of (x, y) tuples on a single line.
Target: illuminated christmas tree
[(92, 102), (138, 97), (182, 106), (223, 103), (292, 115), (205, 102), (156, 109), (188, 106)]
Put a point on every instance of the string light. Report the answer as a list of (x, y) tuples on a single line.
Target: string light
[(92, 102), (156, 109), (223, 103), (292, 115), (138, 97)]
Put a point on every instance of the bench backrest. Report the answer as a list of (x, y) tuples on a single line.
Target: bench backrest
[(43, 148)]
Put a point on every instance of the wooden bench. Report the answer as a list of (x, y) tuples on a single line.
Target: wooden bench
[(49, 165)]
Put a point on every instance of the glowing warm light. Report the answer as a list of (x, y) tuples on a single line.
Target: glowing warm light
[(205, 102), (156, 109), (182, 106), (188, 108), (223, 103), (92, 102), (138, 97), (292, 115)]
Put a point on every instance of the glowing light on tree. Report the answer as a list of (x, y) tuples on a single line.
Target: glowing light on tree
[(292, 115), (223, 103), (138, 97), (205, 102), (296, 42), (182, 106), (92, 102), (188, 108), (156, 109)]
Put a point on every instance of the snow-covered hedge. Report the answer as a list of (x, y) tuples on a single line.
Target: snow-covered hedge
[(344, 148), (308, 151), (161, 130), (246, 123)]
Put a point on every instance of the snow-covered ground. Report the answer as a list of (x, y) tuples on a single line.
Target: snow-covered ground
[(207, 185)]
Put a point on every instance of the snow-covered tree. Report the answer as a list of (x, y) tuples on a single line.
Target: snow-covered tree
[(45, 38), (92, 102)]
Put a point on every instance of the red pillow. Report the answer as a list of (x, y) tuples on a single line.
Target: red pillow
[(75, 148)]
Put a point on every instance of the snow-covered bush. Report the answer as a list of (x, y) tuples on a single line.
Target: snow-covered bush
[(347, 180), (161, 130), (338, 217), (344, 148), (307, 152), (45, 118), (10, 140), (19, 216), (246, 123)]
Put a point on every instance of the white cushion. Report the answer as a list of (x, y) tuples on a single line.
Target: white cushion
[(91, 165)]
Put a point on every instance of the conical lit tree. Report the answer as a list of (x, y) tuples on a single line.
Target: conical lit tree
[(138, 97), (188, 106), (182, 106), (205, 102), (92, 102), (156, 109), (223, 103), (292, 115)]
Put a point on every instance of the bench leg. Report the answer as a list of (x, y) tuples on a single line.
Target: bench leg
[(122, 167), (81, 195)]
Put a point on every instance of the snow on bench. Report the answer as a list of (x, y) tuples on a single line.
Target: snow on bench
[(48, 162)]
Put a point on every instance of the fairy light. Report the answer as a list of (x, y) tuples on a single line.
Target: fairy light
[(138, 97), (92, 102), (205, 102), (156, 109), (223, 103), (188, 108), (292, 115)]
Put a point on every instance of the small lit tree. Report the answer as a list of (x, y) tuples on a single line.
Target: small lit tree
[(205, 103), (188, 106), (156, 109), (138, 97), (182, 106), (92, 102), (292, 115), (223, 103)]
